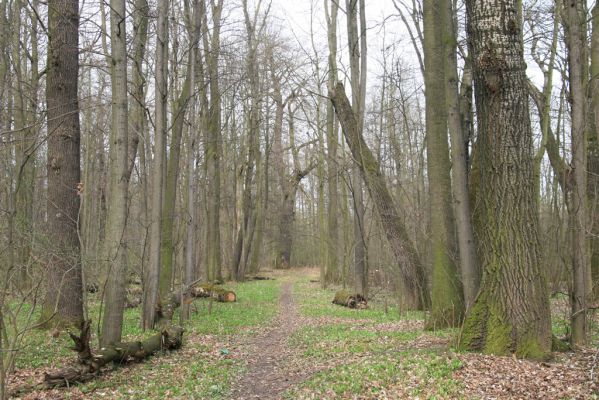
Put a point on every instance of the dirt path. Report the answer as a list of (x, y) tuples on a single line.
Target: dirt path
[(272, 365)]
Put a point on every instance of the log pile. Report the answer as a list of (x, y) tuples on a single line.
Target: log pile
[(351, 300), (209, 290)]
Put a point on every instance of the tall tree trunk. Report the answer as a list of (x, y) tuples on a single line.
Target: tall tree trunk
[(469, 270), (246, 229), (151, 279), (167, 246), (447, 304), (138, 93), (593, 151), (574, 24), (213, 147), (357, 48), (193, 16), (331, 272), (511, 312), (63, 304), (115, 249), (413, 276)]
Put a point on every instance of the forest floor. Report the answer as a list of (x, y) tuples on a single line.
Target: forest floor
[(284, 339)]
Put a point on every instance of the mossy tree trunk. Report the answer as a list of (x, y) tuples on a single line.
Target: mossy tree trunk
[(63, 304), (446, 291), (412, 274), (511, 313)]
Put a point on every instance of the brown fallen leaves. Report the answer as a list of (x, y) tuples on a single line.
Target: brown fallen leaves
[(491, 377)]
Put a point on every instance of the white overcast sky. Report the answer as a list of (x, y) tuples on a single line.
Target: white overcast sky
[(383, 23)]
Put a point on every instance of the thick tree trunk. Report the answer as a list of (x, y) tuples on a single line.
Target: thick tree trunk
[(447, 305), (210, 290), (350, 300), (63, 303), (511, 313), (413, 275)]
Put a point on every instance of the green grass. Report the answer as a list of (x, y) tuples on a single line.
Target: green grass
[(372, 357), (197, 371), (322, 341), (256, 305), (422, 374), (316, 302)]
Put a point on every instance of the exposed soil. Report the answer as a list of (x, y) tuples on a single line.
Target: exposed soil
[(272, 365)]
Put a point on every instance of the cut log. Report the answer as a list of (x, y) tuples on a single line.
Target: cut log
[(218, 293), (346, 299), (89, 364), (259, 278)]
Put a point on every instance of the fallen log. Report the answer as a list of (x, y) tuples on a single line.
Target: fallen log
[(88, 363), (210, 290), (259, 278), (346, 299)]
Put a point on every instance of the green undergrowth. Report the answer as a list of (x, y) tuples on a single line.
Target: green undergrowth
[(408, 374), (256, 305), (196, 371), (317, 302), (375, 354), (323, 341), (169, 376)]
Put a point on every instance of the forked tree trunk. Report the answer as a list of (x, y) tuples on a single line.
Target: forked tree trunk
[(511, 313)]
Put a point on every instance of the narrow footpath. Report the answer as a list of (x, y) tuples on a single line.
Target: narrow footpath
[(272, 365)]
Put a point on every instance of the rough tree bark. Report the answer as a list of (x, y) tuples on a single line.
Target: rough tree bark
[(581, 276), (511, 313), (413, 275), (63, 303)]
